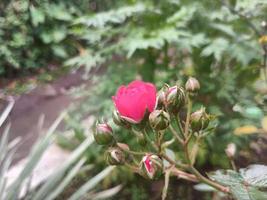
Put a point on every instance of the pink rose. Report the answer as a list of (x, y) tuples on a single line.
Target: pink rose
[(134, 100)]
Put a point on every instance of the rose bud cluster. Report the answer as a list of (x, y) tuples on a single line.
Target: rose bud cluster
[(151, 167), (140, 108), (199, 120)]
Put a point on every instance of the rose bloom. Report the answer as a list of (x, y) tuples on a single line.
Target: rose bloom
[(134, 100)]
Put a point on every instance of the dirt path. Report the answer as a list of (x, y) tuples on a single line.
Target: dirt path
[(49, 100)]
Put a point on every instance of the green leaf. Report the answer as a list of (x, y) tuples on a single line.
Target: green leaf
[(37, 16), (217, 48), (114, 16), (245, 184), (255, 175)]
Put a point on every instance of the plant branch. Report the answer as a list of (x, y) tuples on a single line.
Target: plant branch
[(200, 176), (184, 175), (180, 165), (176, 135), (189, 107)]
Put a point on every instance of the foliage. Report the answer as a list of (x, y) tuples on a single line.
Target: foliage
[(245, 184), (35, 33)]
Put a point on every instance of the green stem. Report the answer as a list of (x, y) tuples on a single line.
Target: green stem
[(178, 121), (200, 176), (179, 165), (189, 107), (176, 135)]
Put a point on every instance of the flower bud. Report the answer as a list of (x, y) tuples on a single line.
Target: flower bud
[(175, 99), (192, 85), (118, 120), (151, 167), (103, 134), (114, 156), (159, 120), (199, 120), (230, 150), (161, 97)]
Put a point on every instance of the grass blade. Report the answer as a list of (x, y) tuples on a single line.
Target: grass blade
[(59, 174), (66, 180), (106, 193), (91, 183), (34, 157)]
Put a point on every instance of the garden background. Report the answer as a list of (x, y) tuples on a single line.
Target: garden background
[(71, 56)]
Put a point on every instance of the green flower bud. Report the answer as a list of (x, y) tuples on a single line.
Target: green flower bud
[(175, 99), (199, 120), (103, 134), (151, 167), (114, 156), (159, 120), (118, 120), (192, 85)]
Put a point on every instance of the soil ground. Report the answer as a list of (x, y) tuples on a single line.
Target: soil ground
[(49, 100)]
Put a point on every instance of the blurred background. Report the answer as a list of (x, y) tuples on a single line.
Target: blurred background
[(61, 61)]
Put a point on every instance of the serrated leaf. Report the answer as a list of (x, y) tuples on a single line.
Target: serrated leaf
[(217, 48), (37, 16), (245, 184), (255, 175), (114, 16)]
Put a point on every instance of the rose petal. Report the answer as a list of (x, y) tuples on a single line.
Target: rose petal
[(133, 100)]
